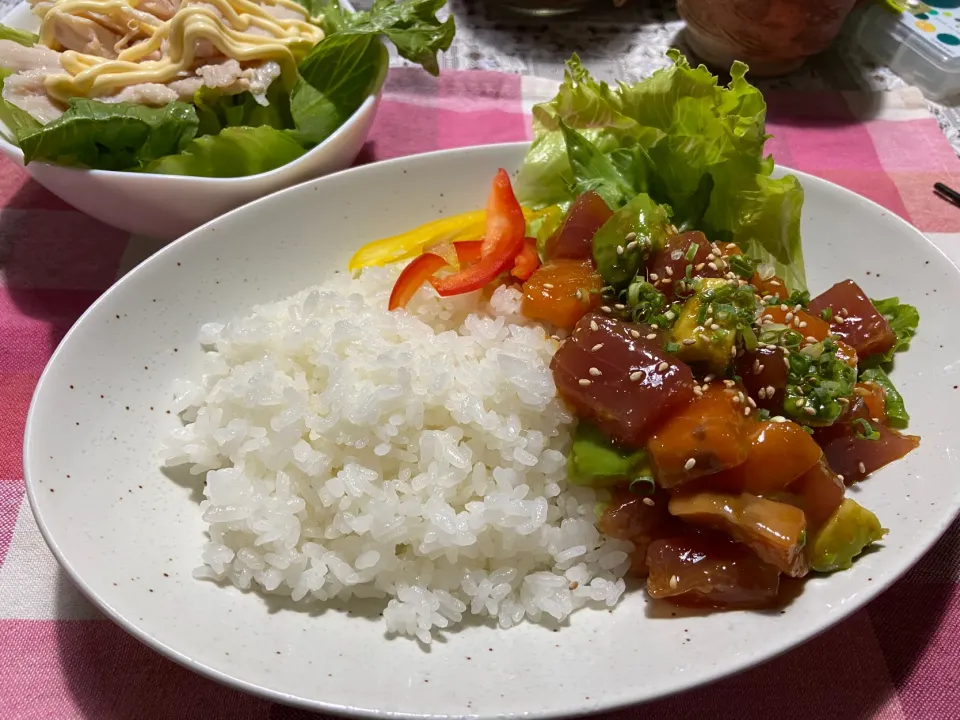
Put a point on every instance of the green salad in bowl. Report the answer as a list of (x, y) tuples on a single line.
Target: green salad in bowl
[(211, 88)]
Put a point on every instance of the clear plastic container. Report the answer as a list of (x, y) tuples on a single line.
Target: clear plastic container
[(921, 44)]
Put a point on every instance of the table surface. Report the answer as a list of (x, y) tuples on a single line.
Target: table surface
[(896, 659)]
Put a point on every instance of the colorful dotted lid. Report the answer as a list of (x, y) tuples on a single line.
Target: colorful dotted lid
[(920, 41)]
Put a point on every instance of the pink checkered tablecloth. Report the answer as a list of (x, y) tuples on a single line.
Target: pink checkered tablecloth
[(60, 659)]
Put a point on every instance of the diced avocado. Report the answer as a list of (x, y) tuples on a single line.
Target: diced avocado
[(595, 460), (848, 531), (699, 341)]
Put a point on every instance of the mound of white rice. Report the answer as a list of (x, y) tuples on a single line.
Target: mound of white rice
[(417, 456)]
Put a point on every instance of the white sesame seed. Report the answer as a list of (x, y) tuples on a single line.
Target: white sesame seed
[(786, 362), (652, 336), (596, 347), (630, 236), (771, 390), (778, 419), (735, 399), (655, 326), (784, 308), (689, 341), (750, 402), (700, 266), (810, 339), (799, 402), (688, 465), (733, 351), (797, 308), (635, 335), (579, 294), (802, 325), (810, 411), (654, 277), (606, 309), (862, 468), (666, 281), (711, 256), (760, 369), (674, 581), (669, 270), (762, 392), (548, 286), (708, 378), (789, 317), (631, 245), (648, 501), (619, 249), (774, 283), (594, 326), (729, 383), (714, 326), (747, 411), (584, 381), (619, 306), (712, 265), (840, 478), (663, 367), (636, 375), (595, 372)]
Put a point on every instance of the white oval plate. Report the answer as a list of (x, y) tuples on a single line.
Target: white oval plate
[(129, 535)]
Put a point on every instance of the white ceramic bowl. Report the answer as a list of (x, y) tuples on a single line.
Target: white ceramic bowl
[(120, 526), (167, 206)]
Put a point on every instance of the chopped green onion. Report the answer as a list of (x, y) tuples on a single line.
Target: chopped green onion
[(671, 347), (827, 314), (865, 430), (743, 266), (643, 485), (691, 251)]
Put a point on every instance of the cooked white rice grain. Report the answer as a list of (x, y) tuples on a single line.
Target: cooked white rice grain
[(415, 456)]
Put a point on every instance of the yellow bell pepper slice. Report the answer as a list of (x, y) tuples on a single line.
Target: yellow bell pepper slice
[(466, 226)]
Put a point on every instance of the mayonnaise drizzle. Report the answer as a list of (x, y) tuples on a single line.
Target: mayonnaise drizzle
[(239, 29)]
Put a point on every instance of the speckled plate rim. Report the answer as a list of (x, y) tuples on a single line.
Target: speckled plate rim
[(894, 571)]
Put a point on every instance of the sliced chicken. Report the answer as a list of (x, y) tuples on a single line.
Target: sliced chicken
[(16, 57), (81, 34), (151, 94), (27, 92), (163, 9)]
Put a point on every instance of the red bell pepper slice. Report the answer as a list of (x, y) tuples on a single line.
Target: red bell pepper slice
[(480, 275), (527, 261), (505, 220), (413, 277), (503, 241), (468, 252)]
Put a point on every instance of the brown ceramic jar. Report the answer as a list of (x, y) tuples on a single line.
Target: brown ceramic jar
[(773, 37)]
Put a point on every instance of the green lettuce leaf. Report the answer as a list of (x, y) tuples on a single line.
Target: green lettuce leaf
[(27, 39), (217, 110), (903, 319), (897, 415), (18, 121), (335, 78), (681, 138), (412, 26), (111, 136), (234, 152)]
